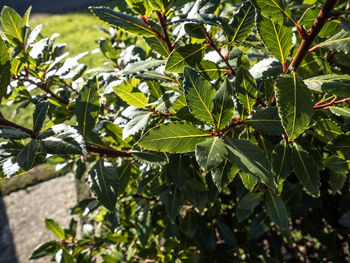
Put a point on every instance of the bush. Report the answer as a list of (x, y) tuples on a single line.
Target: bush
[(218, 132)]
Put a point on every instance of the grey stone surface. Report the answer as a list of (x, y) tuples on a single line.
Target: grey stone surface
[(7, 249), (50, 6), (26, 212)]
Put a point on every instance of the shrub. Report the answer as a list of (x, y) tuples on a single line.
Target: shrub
[(218, 132)]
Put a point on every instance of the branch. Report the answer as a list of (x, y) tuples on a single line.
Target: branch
[(5, 122), (109, 152), (333, 102), (225, 59), (309, 37), (163, 23)]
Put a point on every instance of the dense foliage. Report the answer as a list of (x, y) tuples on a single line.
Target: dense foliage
[(218, 132)]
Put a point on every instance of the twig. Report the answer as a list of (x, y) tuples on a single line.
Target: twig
[(224, 59), (107, 151), (309, 37), (333, 102), (163, 23), (5, 122)]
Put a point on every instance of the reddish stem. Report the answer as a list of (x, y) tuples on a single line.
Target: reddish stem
[(333, 102)]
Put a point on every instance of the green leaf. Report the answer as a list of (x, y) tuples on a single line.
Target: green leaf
[(267, 121), (87, 107), (281, 160), (344, 220), (294, 102), (127, 22), (5, 76), (26, 156), (339, 42), (158, 46), (337, 181), (153, 75), (39, 116), (63, 256), (327, 128), (275, 10), (166, 101), (223, 105), (340, 143), (134, 98), (26, 16), (107, 50), (277, 38), (305, 169), (338, 85), (227, 234), (191, 55), (143, 220), (210, 153), (195, 30), (247, 204), (199, 95), (62, 139), (44, 249), (336, 164), (138, 6), (172, 200), (12, 23), (115, 132), (54, 227), (151, 158), (139, 119), (142, 66), (4, 54), (277, 210), (246, 89), (224, 174), (7, 132), (242, 22), (248, 180), (340, 111), (103, 179), (209, 69), (173, 137), (251, 159)]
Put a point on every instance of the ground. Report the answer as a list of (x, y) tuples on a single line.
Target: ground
[(26, 212)]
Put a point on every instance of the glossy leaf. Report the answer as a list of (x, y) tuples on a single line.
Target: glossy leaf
[(276, 37), (345, 219), (12, 23), (195, 30), (173, 137), (4, 54), (125, 21), (294, 104), (227, 234), (209, 69), (132, 97), (199, 95), (210, 153), (63, 256), (7, 132), (26, 156), (87, 107), (277, 210), (151, 158), (190, 55), (242, 22), (267, 121), (246, 89), (39, 116), (223, 105), (340, 111), (274, 9), (305, 169), (248, 180), (158, 46), (142, 66), (336, 164), (55, 228), (143, 221), (340, 143), (339, 42), (173, 200), (338, 85), (44, 249), (103, 179), (247, 204), (62, 139), (281, 160), (250, 158), (224, 174), (5, 68), (138, 122)]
